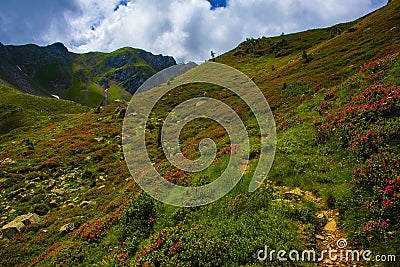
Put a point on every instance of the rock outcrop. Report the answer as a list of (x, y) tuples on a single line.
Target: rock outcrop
[(67, 228), (11, 229)]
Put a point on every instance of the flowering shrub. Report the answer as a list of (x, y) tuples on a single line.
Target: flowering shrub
[(367, 144), (368, 126), (375, 104), (379, 171), (379, 182), (174, 247), (93, 231)]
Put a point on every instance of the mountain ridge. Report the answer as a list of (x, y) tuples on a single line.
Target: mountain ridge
[(83, 78)]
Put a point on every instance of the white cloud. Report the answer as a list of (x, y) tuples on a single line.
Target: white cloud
[(189, 30)]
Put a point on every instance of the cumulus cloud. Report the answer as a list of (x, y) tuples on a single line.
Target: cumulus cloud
[(28, 21), (190, 29)]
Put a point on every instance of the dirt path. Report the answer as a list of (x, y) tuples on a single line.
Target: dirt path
[(332, 237)]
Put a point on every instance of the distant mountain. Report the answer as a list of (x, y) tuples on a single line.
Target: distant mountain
[(83, 78)]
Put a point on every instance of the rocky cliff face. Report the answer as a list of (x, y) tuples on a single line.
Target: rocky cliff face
[(53, 70)]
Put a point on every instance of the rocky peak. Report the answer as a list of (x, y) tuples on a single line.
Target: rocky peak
[(58, 48)]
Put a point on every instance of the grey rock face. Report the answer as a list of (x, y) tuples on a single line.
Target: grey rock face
[(14, 227)]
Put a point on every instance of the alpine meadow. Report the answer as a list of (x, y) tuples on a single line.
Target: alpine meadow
[(335, 96)]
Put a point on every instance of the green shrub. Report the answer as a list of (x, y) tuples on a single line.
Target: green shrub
[(137, 223)]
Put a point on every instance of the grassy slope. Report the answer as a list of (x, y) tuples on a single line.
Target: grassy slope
[(83, 154), (19, 109)]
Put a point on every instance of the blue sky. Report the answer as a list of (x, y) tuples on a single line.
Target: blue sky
[(185, 29), (217, 3)]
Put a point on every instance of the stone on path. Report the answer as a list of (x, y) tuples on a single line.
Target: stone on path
[(331, 226)]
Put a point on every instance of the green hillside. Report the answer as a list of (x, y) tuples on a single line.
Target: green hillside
[(334, 94), (19, 111)]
